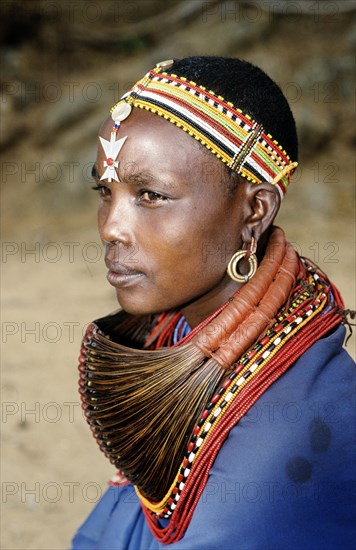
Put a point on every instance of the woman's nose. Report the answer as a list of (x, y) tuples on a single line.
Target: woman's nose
[(115, 223)]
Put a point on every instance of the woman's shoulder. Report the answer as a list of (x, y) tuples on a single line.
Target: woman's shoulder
[(291, 457), (310, 405)]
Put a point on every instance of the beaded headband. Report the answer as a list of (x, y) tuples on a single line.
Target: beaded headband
[(232, 136)]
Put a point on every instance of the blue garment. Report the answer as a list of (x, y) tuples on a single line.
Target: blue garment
[(283, 480)]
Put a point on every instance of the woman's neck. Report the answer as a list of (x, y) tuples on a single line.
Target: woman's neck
[(195, 312)]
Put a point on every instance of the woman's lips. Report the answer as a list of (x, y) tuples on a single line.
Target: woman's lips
[(121, 276)]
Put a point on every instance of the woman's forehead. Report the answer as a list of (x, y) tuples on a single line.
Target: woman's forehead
[(153, 144)]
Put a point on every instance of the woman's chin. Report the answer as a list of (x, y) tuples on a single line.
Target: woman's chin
[(136, 306)]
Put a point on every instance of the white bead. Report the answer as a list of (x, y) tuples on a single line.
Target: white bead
[(165, 64), (121, 111)]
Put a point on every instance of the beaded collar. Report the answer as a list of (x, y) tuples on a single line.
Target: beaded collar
[(170, 328)]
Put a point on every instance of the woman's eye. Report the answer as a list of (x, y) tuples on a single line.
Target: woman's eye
[(103, 190), (152, 197)]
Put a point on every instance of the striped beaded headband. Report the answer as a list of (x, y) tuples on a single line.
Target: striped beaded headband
[(232, 136)]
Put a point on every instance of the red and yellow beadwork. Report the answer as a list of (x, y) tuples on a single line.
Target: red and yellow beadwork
[(232, 136)]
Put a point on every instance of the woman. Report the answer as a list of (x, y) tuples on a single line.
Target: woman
[(221, 391)]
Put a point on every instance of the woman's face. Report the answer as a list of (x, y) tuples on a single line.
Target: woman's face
[(169, 226)]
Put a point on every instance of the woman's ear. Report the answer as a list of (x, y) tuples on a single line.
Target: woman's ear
[(263, 202)]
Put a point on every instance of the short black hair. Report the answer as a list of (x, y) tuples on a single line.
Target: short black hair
[(249, 89)]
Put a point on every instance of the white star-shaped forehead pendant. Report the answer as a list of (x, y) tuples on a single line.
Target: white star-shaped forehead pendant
[(111, 150)]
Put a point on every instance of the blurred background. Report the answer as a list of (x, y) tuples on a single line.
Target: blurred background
[(64, 64)]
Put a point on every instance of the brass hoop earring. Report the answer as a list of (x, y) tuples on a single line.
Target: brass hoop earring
[(248, 255)]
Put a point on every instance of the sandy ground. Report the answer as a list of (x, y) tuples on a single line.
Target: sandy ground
[(53, 472)]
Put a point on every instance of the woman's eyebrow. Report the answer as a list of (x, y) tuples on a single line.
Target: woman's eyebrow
[(147, 178), (139, 178)]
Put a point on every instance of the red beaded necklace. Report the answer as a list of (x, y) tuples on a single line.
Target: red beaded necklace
[(163, 332)]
